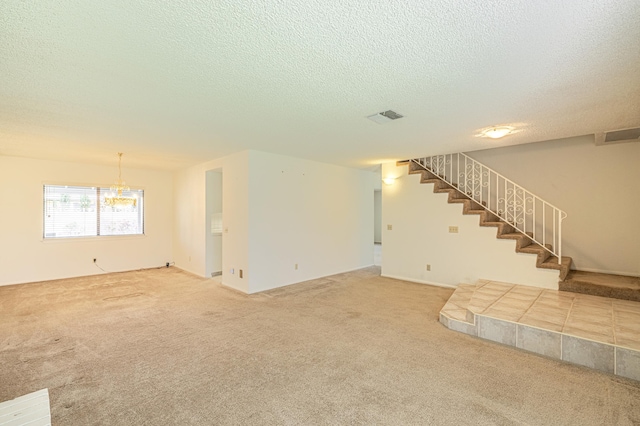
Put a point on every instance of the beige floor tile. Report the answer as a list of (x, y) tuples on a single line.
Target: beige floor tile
[(514, 303), (554, 303), (481, 295), (557, 318), (464, 286), (590, 327), (477, 309), (506, 314), (598, 302), (622, 317), (483, 299), (626, 305), (528, 320), (557, 303), (628, 343), (457, 314), (624, 325), (549, 310), (456, 298), (591, 311), (598, 337), (627, 333), (628, 315), (493, 292), (591, 318), (483, 304), (520, 297), (499, 285), (558, 295), (526, 291)]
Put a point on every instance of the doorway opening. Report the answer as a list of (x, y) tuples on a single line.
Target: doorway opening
[(214, 225), (377, 227)]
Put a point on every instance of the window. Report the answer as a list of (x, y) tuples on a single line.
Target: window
[(80, 211)]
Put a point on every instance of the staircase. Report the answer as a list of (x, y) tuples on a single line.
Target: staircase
[(534, 224)]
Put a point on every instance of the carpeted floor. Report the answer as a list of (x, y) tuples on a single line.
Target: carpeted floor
[(163, 347)]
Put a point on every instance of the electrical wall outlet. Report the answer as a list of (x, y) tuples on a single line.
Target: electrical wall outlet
[(296, 267), (232, 271), (389, 227), (453, 229), (428, 267)]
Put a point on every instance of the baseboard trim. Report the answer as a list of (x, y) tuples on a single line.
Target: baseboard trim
[(413, 280), (314, 278), (230, 287)]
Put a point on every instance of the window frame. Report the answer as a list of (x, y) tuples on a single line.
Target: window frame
[(98, 188)]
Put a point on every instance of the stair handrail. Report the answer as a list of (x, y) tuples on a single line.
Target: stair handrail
[(527, 213)]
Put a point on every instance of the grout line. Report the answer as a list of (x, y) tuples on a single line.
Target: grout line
[(568, 314), (530, 306), (498, 299), (613, 326)]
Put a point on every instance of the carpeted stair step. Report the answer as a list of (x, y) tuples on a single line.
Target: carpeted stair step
[(503, 229), (604, 285), (522, 240), (538, 250), (552, 263)]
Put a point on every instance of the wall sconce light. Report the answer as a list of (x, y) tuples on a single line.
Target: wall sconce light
[(389, 180)]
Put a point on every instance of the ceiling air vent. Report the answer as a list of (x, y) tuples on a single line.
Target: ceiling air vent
[(385, 117), (618, 136)]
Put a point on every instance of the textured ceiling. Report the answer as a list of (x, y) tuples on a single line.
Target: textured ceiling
[(180, 82)]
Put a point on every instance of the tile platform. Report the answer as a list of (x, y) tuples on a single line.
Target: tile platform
[(592, 331)]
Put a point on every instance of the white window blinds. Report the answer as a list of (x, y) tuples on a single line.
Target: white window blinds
[(80, 211)]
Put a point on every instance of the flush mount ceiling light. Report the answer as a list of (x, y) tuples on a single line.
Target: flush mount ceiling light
[(497, 132), (385, 117), (116, 198)]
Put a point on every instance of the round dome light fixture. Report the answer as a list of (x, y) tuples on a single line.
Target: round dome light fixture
[(497, 132)]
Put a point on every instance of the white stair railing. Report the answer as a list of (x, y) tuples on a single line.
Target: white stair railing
[(526, 212)]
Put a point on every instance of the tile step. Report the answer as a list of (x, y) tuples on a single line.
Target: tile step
[(596, 332)]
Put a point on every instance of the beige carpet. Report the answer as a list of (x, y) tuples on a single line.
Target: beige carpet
[(163, 347)]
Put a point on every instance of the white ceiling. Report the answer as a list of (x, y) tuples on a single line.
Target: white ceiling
[(180, 82)]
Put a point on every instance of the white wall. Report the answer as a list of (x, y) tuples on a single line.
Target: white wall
[(420, 235), (596, 185), (190, 221), (316, 215), (377, 216), (278, 211), (25, 257)]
